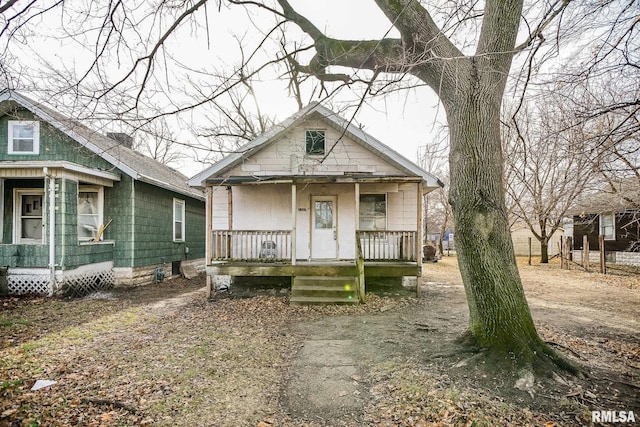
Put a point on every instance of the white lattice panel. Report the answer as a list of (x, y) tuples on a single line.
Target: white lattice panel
[(88, 282), (28, 282)]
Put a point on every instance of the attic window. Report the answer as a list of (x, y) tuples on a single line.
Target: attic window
[(24, 137), (315, 140)]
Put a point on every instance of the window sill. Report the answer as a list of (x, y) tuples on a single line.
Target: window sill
[(178, 241), (101, 242), (32, 243)]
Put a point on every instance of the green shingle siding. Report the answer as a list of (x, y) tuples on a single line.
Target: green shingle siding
[(154, 226), (54, 145), (24, 255), (118, 206)]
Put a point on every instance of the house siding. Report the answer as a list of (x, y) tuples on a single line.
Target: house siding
[(54, 145), (118, 206), (627, 231), (220, 209), (287, 156), (520, 238), (154, 224), (71, 253), (268, 207)]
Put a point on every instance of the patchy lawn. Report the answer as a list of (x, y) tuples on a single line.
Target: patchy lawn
[(162, 355)]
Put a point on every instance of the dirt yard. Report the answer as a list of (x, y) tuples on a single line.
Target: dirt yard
[(162, 355)]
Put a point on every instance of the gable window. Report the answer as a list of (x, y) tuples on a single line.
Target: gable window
[(90, 207), (315, 141), (178, 220), (607, 226), (24, 137), (28, 216), (373, 212)]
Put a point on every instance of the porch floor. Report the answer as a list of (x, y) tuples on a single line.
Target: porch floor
[(314, 268)]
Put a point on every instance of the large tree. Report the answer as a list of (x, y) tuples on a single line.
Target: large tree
[(471, 88)]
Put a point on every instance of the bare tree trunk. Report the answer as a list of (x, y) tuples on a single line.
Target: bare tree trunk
[(500, 319), (544, 251)]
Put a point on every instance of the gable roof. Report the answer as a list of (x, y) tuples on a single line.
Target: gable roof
[(134, 164), (626, 197), (332, 119)]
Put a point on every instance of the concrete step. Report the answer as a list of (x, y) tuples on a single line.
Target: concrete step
[(314, 300), (324, 280), (323, 291)]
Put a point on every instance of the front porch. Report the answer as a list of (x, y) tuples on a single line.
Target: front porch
[(325, 233), (262, 253)]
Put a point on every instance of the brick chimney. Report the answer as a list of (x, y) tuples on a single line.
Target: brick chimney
[(122, 138)]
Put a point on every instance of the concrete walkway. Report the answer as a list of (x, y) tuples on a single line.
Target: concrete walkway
[(325, 383)]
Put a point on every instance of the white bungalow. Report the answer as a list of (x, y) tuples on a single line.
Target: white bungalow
[(318, 200)]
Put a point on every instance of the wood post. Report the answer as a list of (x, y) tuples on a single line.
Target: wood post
[(569, 253), (603, 262), (585, 252), (208, 237), (294, 221), (561, 253), (419, 240), (529, 250)]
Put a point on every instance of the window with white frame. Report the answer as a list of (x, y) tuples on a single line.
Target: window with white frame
[(373, 212), (28, 219), (90, 212), (178, 220), (24, 137), (608, 226)]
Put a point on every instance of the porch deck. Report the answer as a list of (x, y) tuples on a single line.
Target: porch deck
[(260, 253), (314, 268)]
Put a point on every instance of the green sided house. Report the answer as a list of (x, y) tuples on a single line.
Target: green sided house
[(320, 201), (83, 211)]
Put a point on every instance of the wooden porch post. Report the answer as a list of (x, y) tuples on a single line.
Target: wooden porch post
[(208, 243), (294, 220), (359, 256), (357, 205), (419, 239)]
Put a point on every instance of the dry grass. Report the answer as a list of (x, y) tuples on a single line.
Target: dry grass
[(165, 356)]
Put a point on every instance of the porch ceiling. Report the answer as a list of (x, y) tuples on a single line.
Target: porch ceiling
[(35, 169), (306, 179)]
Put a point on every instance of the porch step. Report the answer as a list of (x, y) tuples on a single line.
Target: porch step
[(324, 290)]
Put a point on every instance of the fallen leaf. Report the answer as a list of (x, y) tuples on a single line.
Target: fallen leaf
[(8, 413)]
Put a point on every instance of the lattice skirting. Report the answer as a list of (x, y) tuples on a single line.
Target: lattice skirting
[(83, 283), (28, 281), (78, 282)]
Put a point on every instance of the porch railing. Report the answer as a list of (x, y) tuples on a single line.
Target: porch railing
[(251, 245), (383, 245)]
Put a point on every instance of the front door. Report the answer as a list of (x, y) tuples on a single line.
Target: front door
[(324, 244)]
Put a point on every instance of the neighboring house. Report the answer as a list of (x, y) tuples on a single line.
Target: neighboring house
[(309, 196), (82, 211), (520, 235), (616, 217)]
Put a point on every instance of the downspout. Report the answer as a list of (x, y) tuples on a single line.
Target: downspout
[(52, 230)]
